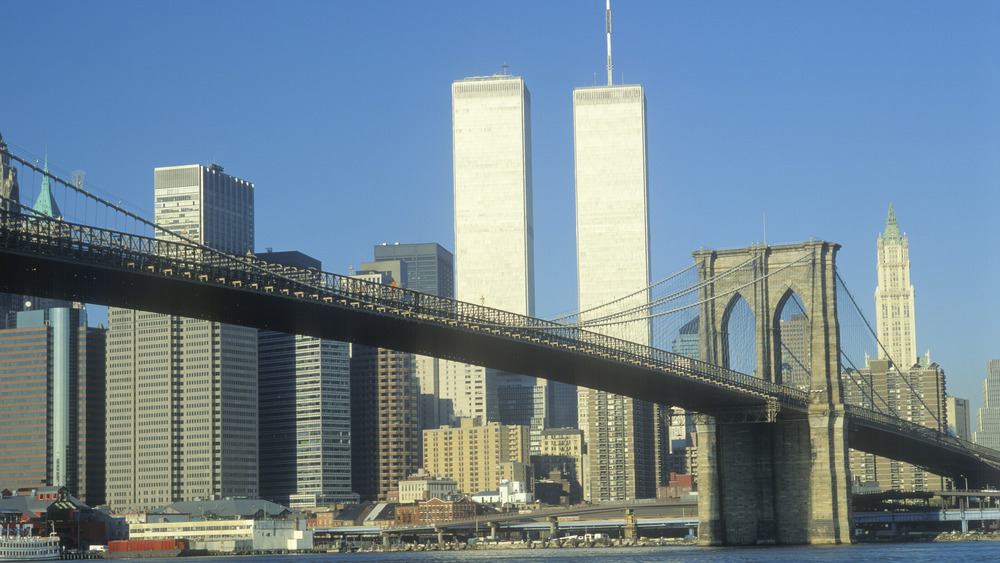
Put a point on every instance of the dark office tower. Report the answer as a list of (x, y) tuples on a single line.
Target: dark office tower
[(385, 436), (52, 397), (182, 393), (305, 412), (427, 268)]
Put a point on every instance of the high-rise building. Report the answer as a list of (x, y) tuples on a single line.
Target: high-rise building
[(916, 395), (385, 435), (958, 417), (897, 330), (795, 351), (494, 241), (305, 412), (182, 393), (427, 268), (478, 456), (988, 417), (612, 232), (52, 391)]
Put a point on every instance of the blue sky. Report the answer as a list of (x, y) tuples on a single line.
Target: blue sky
[(817, 114)]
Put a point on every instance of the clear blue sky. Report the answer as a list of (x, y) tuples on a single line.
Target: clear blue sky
[(818, 114)]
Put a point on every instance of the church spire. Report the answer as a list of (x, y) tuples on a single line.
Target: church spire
[(46, 204), (891, 227)]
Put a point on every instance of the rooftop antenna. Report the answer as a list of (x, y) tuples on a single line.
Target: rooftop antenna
[(504, 65), (607, 17)]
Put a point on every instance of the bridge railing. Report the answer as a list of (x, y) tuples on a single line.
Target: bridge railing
[(928, 434), (45, 235)]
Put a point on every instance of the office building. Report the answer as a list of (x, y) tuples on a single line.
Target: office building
[(52, 392), (958, 417), (182, 393), (988, 417), (427, 268), (305, 412), (894, 310), (478, 456), (916, 395), (385, 436), (494, 241), (612, 237), (562, 450)]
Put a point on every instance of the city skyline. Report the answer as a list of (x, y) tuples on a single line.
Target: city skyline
[(851, 98)]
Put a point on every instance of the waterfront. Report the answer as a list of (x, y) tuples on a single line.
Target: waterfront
[(912, 552)]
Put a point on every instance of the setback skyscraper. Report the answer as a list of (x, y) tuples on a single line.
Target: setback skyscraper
[(894, 301), (182, 393)]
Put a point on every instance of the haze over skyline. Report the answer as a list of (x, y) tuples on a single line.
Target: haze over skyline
[(815, 114)]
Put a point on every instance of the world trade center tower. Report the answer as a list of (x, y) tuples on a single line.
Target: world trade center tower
[(612, 238)]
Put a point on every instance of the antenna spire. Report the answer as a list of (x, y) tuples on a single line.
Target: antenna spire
[(607, 17)]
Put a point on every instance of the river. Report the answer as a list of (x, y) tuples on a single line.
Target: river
[(959, 552)]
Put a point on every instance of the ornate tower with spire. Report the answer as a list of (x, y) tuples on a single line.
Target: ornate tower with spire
[(46, 203), (897, 330)]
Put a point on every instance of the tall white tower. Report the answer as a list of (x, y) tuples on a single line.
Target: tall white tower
[(896, 327), (494, 240), (612, 240)]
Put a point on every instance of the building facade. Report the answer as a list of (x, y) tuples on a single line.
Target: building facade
[(958, 417), (916, 395), (612, 237), (494, 240), (477, 456), (182, 393), (385, 436), (427, 268), (52, 392), (894, 302), (305, 412), (988, 417)]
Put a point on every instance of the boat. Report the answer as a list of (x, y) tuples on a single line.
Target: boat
[(17, 544)]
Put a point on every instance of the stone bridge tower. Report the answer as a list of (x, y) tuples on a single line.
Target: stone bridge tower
[(785, 480)]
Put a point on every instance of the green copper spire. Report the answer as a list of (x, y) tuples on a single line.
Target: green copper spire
[(891, 227), (46, 204)]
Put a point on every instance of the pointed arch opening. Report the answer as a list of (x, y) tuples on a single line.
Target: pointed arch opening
[(793, 342), (739, 337)]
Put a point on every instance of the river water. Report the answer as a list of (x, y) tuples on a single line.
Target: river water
[(958, 552)]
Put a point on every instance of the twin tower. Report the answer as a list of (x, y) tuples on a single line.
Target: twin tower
[(494, 248)]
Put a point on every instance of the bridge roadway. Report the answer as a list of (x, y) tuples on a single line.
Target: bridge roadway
[(50, 258)]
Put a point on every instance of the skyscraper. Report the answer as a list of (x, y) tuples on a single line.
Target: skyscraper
[(182, 393), (612, 237), (429, 269), (988, 417), (305, 412), (494, 244), (958, 417), (52, 391), (915, 394), (897, 329)]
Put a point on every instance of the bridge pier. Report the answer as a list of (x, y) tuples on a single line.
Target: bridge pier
[(782, 482), (494, 530), (440, 532), (553, 526)]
